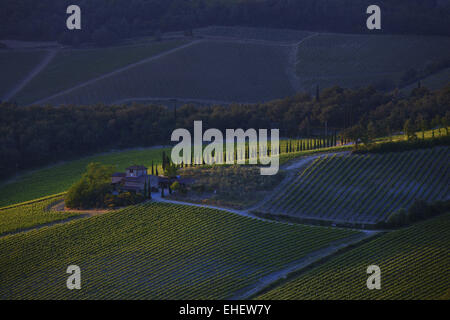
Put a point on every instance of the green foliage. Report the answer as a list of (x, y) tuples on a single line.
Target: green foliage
[(420, 210), (90, 191), (401, 146), (236, 186), (177, 187), (27, 215), (123, 199), (195, 253), (409, 130), (170, 170)]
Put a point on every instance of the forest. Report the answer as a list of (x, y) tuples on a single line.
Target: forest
[(37, 135), (106, 21)]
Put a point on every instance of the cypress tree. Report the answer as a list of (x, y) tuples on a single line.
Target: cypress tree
[(164, 160), (145, 189)]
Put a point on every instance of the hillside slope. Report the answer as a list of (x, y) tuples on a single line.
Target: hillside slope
[(154, 251), (214, 70), (414, 264), (364, 189)]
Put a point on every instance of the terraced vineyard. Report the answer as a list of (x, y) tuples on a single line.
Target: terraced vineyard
[(71, 67), (15, 66), (364, 188), (211, 70), (29, 215), (414, 264), (60, 177), (359, 60), (154, 251)]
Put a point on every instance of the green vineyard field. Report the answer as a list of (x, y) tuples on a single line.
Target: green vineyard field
[(350, 60), (15, 66), (213, 70), (414, 264), (74, 66), (60, 177), (154, 251), (364, 189), (30, 215)]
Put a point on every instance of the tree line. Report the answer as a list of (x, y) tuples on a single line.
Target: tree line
[(37, 135), (105, 21)]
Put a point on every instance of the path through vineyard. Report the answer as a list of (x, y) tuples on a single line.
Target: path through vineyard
[(41, 66)]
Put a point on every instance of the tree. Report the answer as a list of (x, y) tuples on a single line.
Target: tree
[(435, 123), (409, 130), (90, 190), (371, 131), (171, 170), (422, 122), (445, 121), (145, 192)]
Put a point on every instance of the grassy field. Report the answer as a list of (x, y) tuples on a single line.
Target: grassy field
[(414, 265), (213, 70), (15, 65), (359, 60), (30, 215), (73, 66), (59, 178), (364, 189), (154, 251)]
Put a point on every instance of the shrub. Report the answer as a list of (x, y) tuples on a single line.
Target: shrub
[(420, 210), (90, 190), (403, 145), (123, 199)]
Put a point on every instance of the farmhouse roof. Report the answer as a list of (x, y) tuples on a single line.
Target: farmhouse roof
[(135, 167)]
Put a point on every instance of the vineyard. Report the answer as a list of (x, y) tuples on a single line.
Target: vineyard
[(60, 177), (154, 251), (30, 215), (214, 70), (262, 34), (74, 66), (364, 189), (360, 60), (414, 264), (15, 66)]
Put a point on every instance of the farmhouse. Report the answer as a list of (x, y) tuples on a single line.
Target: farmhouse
[(134, 179)]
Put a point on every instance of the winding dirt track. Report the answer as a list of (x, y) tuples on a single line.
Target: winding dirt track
[(293, 78), (47, 59), (110, 74)]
